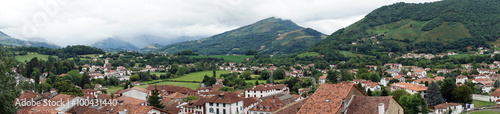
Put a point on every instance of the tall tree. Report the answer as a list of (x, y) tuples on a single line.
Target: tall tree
[(332, 76), (397, 94), (447, 88), (8, 93), (36, 75), (66, 87), (85, 80), (154, 100), (463, 94), (384, 93), (434, 96)]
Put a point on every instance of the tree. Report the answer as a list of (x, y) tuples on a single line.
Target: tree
[(134, 77), (384, 93), (332, 76), (66, 87), (155, 100), (361, 87), (365, 76), (374, 77), (127, 84), (463, 94), (398, 93), (447, 89), (247, 75), (189, 98), (369, 92), (36, 75), (278, 74), (434, 96), (264, 75), (226, 89), (85, 80), (8, 93), (256, 82), (346, 75), (411, 103)]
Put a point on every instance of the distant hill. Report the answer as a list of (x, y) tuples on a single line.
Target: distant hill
[(151, 48), (437, 27), (114, 44), (9, 41), (270, 36)]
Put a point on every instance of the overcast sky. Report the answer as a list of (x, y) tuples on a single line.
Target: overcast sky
[(71, 22)]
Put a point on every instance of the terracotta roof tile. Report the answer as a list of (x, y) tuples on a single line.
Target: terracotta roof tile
[(327, 98), (445, 105), (130, 100), (170, 88), (367, 104), (270, 104), (226, 97), (249, 101), (409, 86), (495, 93)]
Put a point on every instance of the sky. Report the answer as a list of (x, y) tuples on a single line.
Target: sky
[(144, 22)]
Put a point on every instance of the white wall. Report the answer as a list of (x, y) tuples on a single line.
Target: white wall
[(230, 108)]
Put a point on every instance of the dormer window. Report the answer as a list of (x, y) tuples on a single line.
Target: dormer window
[(267, 107)]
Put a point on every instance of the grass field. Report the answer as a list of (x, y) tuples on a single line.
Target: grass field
[(227, 58), (311, 54), (198, 76), (30, 56), (466, 55), (486, 112), (253, 81), (113, 89), (158, 73), (482, 103)]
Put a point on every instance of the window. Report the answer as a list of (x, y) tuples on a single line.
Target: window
[(217, 104), (211, 104), (223, 105), (211, 110), (217, 111), (223, 111), (236, 103)]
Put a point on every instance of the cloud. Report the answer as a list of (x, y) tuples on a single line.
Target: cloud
[(71, 22)]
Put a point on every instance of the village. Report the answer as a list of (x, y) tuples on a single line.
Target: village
[(343, 95)]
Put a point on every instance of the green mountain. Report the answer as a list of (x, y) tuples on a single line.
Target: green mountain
[(6, 40), (114, 44), (151, 48), (437, 27), (270, 36)]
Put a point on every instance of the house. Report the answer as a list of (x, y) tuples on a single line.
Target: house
[(97, 86), (136, 83), (249, 103), (224, 103), (194, 107), (452, 53), (322, 79), (126, 100), (461, 79), (135, 92), (394, 65), (410, 88), (495, 95), (265, 90), (421, 73), (267, 106), (443, 108), (385, 80), (347, 98), (169, 89)]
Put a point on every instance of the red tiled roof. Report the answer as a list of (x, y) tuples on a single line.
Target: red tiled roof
[(225, 97), (270, 104), (248, 101), (495, 93), (409, 86), (170, 88), (136, 88), (130, 100), (367, 104), (28, 95), (445, 105), (327, 98), (60, 97)]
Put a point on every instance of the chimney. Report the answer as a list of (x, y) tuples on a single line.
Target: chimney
[(274, 101), (381, 108), (343, 106)]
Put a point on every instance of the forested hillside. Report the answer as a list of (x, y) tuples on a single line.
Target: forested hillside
[(112, 43), (270, 36), (437, 27)]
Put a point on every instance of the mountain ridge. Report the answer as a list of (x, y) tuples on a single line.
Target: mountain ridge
[(10, 41), (114, 44), (260, 36)]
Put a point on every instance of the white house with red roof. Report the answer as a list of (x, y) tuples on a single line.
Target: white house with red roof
[(224, 103), (260, 91)]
